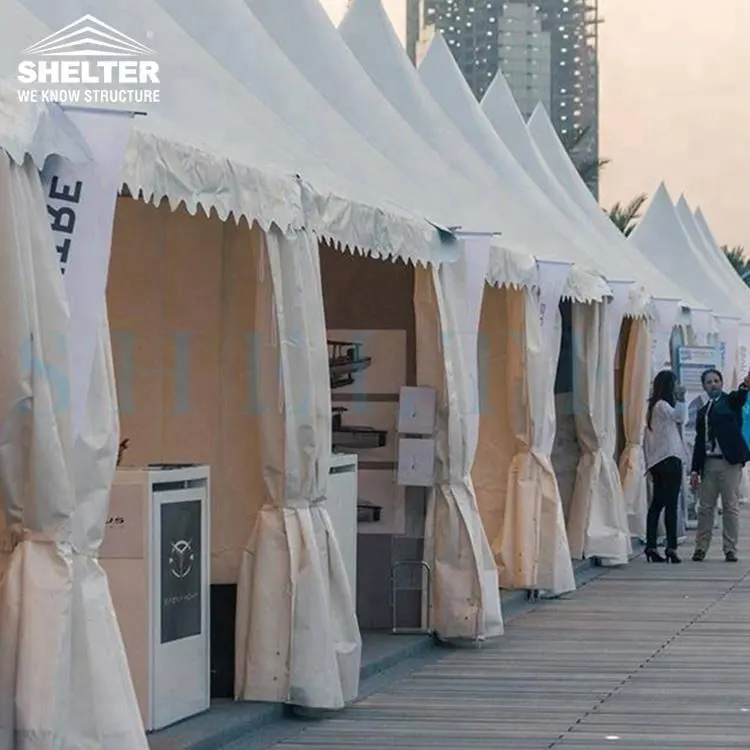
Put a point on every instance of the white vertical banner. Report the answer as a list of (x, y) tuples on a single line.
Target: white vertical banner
[(729, 331), (81, 202), (553, 275), (477, 262), (616, 310), (701, 323), (477, 249), (666, 314)]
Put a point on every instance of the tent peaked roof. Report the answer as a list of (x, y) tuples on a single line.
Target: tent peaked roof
[(192, 146), (704, 226), (505, 117), (661, 236), (308, 38), (714, 254), (503, 113), (685, 215), (549, 145), (374, 217), (442, 77), (368, 33), (551, 149)]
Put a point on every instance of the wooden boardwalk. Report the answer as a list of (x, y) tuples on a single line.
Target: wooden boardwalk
[(648, 656)]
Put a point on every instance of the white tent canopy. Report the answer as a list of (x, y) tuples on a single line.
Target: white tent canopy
[(702, 238), (369, 34), (36, 130), (661, 235), (229, 31), (193, 146), (703, 226), (714, 253), (305, 33), (307, 36), (528, 221), (444, 80), (559, 164)]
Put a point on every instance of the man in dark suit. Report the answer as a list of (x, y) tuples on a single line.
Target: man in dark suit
[(719, 454)]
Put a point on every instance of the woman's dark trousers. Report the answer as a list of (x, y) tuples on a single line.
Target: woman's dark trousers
[(667, 481)]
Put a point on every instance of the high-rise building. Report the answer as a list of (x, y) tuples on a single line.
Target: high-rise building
[(525, 55), (547, 50), (574, 28)]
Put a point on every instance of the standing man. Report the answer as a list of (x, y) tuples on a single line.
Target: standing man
[(719, 454)]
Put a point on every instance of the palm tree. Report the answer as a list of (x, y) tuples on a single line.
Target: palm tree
[(740, 263), (588, 168), (625, 218)]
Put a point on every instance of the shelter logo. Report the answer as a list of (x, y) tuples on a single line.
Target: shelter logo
[(89, 62)]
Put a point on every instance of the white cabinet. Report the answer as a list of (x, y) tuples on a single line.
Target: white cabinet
[(157, 557), (342, 507)]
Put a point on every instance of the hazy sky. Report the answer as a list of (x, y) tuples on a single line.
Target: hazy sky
[(675, 103)]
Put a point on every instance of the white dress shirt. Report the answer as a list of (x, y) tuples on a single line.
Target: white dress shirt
[(664, 439), (712, 451)]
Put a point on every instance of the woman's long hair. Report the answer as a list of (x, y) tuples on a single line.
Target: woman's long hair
[(663, 389)]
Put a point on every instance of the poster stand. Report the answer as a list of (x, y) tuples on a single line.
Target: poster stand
[(692, 362)]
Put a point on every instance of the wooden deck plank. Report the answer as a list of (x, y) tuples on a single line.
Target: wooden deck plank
[(645, 656)]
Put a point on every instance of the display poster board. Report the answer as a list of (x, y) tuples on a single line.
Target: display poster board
[(417, 408), (416, 462), (181, 536), (692, 362)]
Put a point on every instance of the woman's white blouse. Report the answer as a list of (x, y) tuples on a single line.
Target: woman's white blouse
[(664, 439)]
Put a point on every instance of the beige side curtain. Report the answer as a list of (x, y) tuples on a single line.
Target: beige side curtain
[(598, 524), (64, 679), (517, 490), (536, 473), (466, 597), (635, 392), (297, 637), (503, 411)]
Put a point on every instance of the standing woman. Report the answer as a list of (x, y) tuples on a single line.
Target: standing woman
[(664, 455)]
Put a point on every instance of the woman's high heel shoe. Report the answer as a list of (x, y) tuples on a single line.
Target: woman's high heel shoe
[(672, 556), (653, 556)]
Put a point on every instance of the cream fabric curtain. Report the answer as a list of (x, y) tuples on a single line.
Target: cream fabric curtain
[(466, 597), (635, 392), (598, 524), (503, 415), (536, 474), (517, 489), (64, 679), (297, 635)]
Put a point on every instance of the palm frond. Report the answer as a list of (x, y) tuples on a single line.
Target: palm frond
[(589, 170), (625, 218), (736, 256)]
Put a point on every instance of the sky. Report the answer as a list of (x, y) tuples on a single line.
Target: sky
[(674, 103)]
